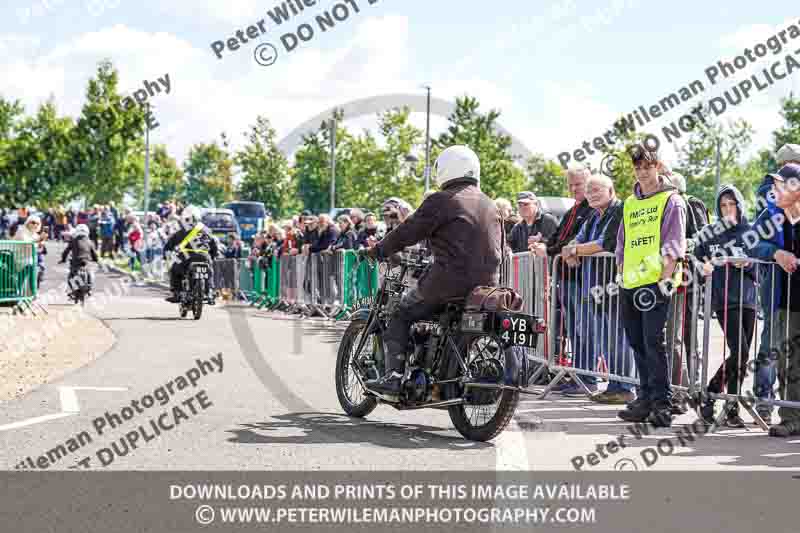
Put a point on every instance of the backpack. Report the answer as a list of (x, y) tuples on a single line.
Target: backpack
[(696, 215)]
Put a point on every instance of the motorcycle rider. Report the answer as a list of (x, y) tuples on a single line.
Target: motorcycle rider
[(82, 250), (194, 243), (462, 225)]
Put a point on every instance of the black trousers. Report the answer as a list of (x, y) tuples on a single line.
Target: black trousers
[(412, 307), (739, 337), (645, 311)]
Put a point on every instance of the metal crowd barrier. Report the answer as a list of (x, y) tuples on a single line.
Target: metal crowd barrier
[(770, 352), (226, 274), (18, 271), (591, 344)]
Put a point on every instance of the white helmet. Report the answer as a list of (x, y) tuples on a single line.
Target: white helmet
[(81, 230), (190, 215), (456, 162)]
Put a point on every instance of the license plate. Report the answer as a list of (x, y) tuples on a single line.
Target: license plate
[(518, 330), (473, 322), (247, 226), (200, 273)]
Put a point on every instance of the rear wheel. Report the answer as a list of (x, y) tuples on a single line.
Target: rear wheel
[(487, 411), (352, 396)]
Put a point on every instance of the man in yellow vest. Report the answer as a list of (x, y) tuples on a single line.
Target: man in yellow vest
[(650, 244)]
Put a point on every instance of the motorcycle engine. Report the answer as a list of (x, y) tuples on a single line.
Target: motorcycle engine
[(417, 386)]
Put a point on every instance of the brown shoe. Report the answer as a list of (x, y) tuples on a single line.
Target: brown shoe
[(613, 398)]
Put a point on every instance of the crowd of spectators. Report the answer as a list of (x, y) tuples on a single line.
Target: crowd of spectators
[(612, 331)]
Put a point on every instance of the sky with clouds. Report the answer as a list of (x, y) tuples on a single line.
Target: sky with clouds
[(560, 71)]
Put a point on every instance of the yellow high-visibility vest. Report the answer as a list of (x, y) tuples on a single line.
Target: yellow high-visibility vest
[(642, 219)]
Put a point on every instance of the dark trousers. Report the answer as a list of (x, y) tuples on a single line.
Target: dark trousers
[(176, 273), (644, 311), (412, 307), (739, 337)]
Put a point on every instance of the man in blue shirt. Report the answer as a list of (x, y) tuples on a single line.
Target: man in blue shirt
[(598, 317)]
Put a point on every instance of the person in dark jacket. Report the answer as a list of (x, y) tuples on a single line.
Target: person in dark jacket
[(536, 226), (310, 233), (327, 235), (765, 369), (598, 319), (80, 250), (462, 225), (370, 235), (567, 280), (348, 239), (194, 242), (733, 295), (235, 250), (779, 241)]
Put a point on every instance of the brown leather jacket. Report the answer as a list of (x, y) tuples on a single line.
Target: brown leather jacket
[(463, 227)]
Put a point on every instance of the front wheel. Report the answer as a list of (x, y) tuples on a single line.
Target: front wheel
[(352, 396), (487, 411)]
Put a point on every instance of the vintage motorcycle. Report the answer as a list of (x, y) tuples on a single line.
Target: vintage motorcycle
[(196, 289), (80, 286), (465, 362)]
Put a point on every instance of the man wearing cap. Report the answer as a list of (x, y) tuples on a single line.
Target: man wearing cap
[(651, 242), (780, 242), (535, 226)]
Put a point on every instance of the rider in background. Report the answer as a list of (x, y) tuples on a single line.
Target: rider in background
[(82, 250), (463, 227), (194, 243)]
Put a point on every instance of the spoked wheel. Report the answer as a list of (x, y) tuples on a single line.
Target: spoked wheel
[(487, 411), (352, 396)]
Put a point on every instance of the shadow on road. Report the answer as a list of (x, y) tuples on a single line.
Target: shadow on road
[(333, 428)]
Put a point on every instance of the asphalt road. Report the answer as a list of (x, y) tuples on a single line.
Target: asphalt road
[(273, 407)]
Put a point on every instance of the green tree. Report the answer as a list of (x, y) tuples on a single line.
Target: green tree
[(500, 176), (367, 171), (266, 171), (209, 174), (545, 177), (697, 160), (36, 159), (107, 138)]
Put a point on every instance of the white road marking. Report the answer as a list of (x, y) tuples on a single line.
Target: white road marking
[(69, 406), (32, 421), (512, 453)]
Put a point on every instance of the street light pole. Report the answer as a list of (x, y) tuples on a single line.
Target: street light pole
[(428, 142), (146, 176), (333, 162)]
